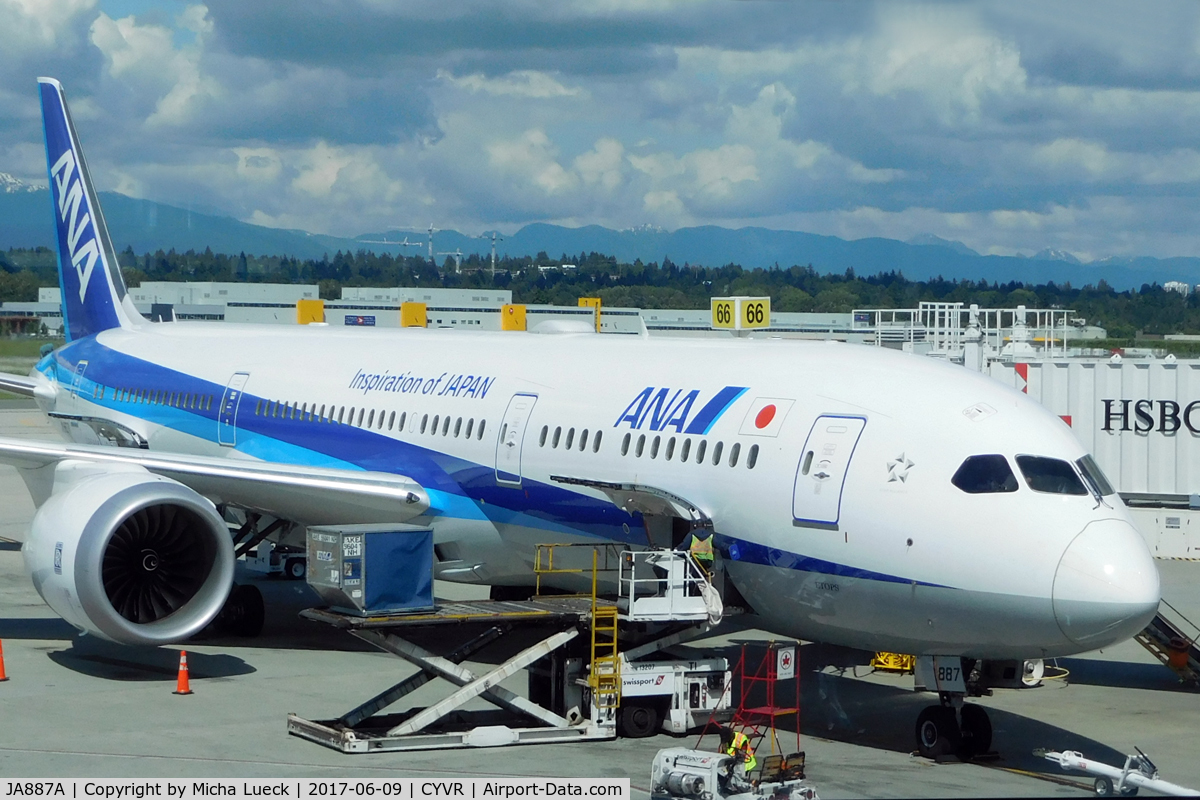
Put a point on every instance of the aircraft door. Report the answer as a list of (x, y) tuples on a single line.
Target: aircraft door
[(227, 413), (77, 378), (512, 437), (821, 474)]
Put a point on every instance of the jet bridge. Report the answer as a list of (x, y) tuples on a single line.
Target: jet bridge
[(575, 667)]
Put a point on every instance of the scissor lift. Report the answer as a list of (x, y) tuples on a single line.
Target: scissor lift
[(683, 604)]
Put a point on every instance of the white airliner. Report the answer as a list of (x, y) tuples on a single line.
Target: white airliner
[(858, 496)]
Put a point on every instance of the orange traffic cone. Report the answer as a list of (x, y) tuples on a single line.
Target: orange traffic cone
[(182, 684), (3, 677)]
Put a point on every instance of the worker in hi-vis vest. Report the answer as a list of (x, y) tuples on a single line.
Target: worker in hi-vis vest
[(737, 744), (699, 545)]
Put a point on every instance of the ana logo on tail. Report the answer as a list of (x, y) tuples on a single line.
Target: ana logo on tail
[(84, 252)]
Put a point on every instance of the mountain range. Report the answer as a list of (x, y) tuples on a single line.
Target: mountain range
[(26, 221)]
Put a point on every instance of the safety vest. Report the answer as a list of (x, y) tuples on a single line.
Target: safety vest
[(742, 742), (701, 549)]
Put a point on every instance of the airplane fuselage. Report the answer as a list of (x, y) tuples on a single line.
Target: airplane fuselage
[(827, 469)]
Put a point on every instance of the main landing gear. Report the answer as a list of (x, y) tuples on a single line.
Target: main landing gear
[(953, 728)]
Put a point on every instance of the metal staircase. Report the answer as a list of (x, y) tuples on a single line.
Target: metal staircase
[(604, 675), (1168, 639)]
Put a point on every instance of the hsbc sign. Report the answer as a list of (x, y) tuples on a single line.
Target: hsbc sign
[(1144, 416)]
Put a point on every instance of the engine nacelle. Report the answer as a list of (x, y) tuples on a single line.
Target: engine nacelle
[(129, 556)]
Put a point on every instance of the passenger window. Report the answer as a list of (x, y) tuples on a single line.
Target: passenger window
[(733, 454), (470, 425), (654, 447), (321, 415), (341, 414), (687, 448), (700, 448), (258, 408), (1050, 475), (1095, 476), (482, 422), (641, 445), (717, 453), (424, 422), (457, 427), (570, 439), (583, 437), (596, 443), (391, 419), (808, 457), (670, 448), (361, 411), (985, 475), (625, 445), (436, 419), (557, 436), (752, 457), (403, 417), (446, 425)]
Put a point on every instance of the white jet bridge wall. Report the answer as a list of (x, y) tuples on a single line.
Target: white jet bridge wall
[(1131, 435)]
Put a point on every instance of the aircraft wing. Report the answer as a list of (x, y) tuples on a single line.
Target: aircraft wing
[(311, 495), (18, 384)]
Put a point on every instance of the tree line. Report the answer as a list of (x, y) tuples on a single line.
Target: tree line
[(542, 279)]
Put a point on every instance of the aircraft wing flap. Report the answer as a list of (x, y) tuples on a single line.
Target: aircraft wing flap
[(310, 495), (644, 499)]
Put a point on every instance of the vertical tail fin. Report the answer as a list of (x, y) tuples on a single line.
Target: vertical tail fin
[(93, 292)]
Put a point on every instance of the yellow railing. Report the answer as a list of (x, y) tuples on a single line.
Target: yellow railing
[(604, 677)]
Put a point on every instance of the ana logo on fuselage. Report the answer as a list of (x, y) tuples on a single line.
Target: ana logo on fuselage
[(84, 252), (661, 412), (672, 408)]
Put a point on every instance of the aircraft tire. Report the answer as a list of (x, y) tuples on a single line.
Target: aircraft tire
[(247, 611), (937, 732), (638, 721), (295, 569), (975, 732)]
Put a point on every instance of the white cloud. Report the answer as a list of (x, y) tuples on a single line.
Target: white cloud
[(602, 164), (941, 55), (31, 25), (319, 170), (519, 83), (717, 171), (532, 157), (146, 55), (258, 164)]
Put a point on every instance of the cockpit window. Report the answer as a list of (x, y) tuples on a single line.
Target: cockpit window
[(985, 475), (1050, 475), (1095, 476)]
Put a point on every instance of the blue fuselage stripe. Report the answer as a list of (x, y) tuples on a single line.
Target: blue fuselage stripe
[(713, 410), (458, 488)]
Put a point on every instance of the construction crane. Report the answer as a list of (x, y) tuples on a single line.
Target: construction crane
[(384, 240), (458, 254), (494, 237)]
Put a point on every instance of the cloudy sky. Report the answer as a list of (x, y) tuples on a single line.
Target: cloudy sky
[(1009, 126)]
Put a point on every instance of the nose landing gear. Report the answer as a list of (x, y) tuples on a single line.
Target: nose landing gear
[(953, 728)]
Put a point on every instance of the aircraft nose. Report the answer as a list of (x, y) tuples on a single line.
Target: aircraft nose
[(1106, 587)]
